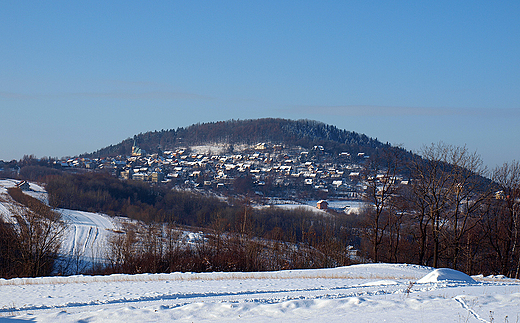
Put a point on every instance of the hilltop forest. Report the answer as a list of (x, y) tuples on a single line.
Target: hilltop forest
[(304, 133)]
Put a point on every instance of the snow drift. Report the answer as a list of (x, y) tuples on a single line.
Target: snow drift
[(446, 274)]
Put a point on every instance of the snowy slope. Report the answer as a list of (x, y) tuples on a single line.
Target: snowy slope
[(86, 238), (361, 293), (35, 191), (5, 205), (87, 233)]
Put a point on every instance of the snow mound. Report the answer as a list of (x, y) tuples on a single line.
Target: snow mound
[(446, 274)]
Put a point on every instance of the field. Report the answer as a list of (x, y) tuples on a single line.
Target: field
[(358, 293)]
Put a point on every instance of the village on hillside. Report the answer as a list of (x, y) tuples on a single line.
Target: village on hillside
[(262, 170)]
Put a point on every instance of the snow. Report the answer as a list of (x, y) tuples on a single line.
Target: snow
[(4, 212), (7, 183), (347, 206), (35, 190), (294, 207), (86, 239), (359, 293), (446, 274), (216, 149)]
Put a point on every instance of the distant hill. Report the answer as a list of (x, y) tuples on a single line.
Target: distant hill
[(304, 133)]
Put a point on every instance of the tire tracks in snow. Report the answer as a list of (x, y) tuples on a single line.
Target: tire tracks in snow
[(256, 296), (460, 299)]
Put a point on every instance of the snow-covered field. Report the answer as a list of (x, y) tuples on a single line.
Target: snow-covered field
[(86, 239), (359, 293), (294, 206), (347, 206), (35, 191)]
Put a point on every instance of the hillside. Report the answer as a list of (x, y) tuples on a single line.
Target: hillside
[(436, 209), (304, 133), (189, 233)]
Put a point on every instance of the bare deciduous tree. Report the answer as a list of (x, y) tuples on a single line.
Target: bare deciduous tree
[(502, 223), (39, 231), (447, 191), (382, 186)]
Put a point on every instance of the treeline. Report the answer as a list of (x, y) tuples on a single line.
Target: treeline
[(236, 236), (98, 192), (448, 215), (154, 205), (305, 133), (29, 168), (29, 245), (162, 248)]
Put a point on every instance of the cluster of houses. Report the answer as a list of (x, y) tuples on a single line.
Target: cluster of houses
[(268, 168)]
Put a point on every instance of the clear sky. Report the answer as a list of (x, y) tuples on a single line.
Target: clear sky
[(76, 76)]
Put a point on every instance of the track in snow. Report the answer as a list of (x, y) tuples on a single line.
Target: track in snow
[(305, 295), (86, 238)]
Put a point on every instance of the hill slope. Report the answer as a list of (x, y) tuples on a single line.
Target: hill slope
[(305, 133)]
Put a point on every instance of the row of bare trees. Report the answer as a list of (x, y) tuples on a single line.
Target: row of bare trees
[(447, 215), (29, 244), (167, 248)]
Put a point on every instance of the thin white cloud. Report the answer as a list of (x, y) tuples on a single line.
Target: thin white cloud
[(370, 110), (153, 95), (18, 96)]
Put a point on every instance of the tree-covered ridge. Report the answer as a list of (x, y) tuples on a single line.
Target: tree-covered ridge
[(305, 133)]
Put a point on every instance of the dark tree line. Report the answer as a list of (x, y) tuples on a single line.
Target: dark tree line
[(98, 192), (234, 220), (448, 215), (305, 133), (160, 248)]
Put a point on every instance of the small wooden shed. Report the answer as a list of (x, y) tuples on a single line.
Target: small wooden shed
[(322, 205)]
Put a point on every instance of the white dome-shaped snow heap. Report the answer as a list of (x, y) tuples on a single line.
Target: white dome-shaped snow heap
[(446, 275)]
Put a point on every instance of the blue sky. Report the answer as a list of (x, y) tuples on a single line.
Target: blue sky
[(76, 76)]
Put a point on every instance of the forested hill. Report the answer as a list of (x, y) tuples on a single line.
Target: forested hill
[(304, 133)]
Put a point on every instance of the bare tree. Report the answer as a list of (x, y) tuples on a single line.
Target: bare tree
[(469, 191), (9, 251), (122, 250), (39, 240), (382, 185), (503, 222), (447, 191)]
